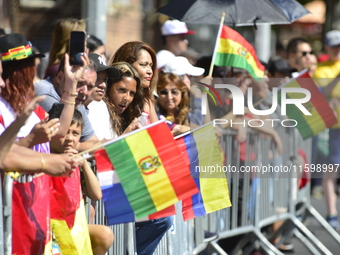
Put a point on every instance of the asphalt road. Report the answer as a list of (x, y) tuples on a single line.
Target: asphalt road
[(318, 231)]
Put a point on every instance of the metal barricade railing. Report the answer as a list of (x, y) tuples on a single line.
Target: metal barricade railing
[(239, 220), (259, 199), (7, 192)]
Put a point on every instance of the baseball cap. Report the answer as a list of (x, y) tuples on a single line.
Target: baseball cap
[(175, 27), (180, 66), (279, 65), (101, 66), (332, 38)]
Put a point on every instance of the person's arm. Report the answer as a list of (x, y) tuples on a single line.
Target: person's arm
[(89, 143), (149, 107), (68, 78), (41, 133), (10, 134), (52, 164), (92, 186), (269, 130), (72, 75)]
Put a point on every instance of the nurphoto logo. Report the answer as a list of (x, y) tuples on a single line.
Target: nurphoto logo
[(238, 104)]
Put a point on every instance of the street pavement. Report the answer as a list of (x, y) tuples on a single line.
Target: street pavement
[(318, 231)]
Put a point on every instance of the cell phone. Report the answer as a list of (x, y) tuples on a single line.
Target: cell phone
[(55, 111), (77, 47)]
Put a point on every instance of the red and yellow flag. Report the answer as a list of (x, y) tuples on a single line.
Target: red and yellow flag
[(322, 115), (233, 50)]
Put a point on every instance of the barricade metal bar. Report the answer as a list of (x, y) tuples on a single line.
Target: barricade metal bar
[(7, 200), (323, 222), (2, 248), (128, 233), (308, 234), (306, 242), (216, 248)]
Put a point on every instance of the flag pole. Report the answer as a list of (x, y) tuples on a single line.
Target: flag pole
[(216, 45), (204, 94)]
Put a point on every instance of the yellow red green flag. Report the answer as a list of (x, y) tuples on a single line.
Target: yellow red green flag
[(233, 50)]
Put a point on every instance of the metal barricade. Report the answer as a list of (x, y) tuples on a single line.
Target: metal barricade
[(259, 199), (6, 215), (239, 220)]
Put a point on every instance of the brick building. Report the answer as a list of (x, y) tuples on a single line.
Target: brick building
[(123, 20)]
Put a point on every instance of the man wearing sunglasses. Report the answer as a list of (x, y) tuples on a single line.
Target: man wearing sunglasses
[(300, 55)]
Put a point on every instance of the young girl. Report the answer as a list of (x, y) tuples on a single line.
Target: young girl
[(124, 99), (125, 103), (143, 58)]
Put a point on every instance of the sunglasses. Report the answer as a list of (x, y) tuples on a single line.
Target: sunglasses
[(304, 53), (165, 92)]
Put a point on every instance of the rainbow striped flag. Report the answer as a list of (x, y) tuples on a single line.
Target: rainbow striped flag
[(150, 169), (322, 115), (202, 150), (234, 50)]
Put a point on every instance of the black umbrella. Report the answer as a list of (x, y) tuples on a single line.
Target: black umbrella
[(238, 12)]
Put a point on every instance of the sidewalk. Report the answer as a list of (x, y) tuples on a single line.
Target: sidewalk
[(318, 231)]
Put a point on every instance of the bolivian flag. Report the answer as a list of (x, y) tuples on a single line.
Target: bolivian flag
[(322, 115), (233, 50), (150, 169)]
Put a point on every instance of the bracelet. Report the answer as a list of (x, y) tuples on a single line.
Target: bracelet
[(68, 102), (42, 163), (72, 94)]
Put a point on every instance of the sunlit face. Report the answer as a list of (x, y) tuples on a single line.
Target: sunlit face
[(143, 66), (302, 58), (2, 82), (179, 43), (72, 137), (98, 91), (85, 86), (169, 97), (122, 93)]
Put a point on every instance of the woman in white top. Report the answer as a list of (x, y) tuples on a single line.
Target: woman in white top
[(142, 57)]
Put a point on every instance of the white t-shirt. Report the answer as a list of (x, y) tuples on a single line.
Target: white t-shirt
[(99, 117)]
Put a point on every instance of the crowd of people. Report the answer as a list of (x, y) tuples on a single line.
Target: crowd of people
[(109, 96)]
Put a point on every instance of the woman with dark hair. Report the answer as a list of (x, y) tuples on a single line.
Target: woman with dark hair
[(124, 98), (142, 57), (125, 102)]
